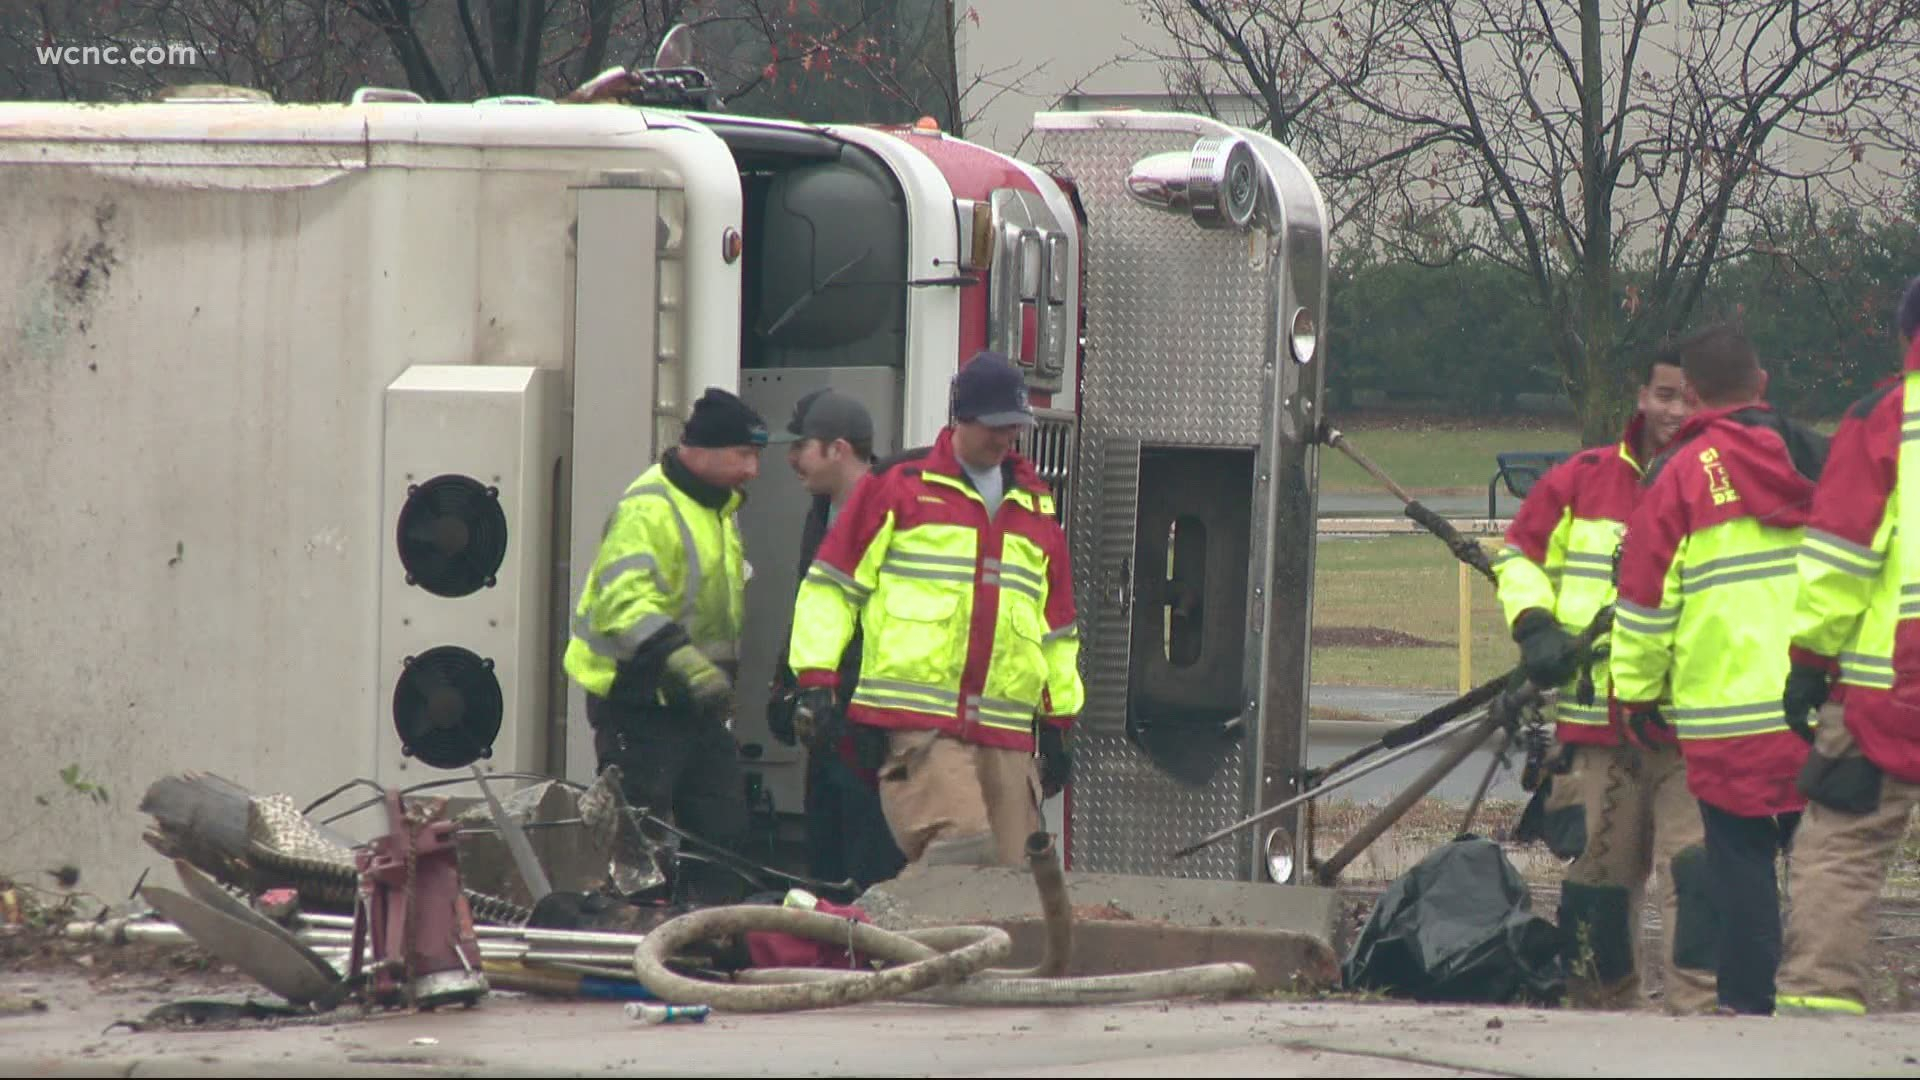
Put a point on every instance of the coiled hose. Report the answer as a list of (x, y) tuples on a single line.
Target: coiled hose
[(944, 965)]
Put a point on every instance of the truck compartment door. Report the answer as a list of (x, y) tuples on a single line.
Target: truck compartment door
[(1192, 526)]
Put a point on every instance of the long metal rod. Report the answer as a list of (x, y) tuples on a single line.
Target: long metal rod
[(1480, 795), (1477, 734), (1431, 721), (1372, 766), (1466, 550), (523, 856), (321, 921)]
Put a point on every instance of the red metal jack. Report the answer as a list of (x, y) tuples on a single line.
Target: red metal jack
[(412, 912)]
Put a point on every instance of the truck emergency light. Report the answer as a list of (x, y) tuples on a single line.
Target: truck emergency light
[(1218, 182)]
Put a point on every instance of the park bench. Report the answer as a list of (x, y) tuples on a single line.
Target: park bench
[(1521, 469)]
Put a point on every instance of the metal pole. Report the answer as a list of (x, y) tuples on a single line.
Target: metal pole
[(1486, 782), (1466, 630), (1413, 793), (1372, 766), (523, 856)]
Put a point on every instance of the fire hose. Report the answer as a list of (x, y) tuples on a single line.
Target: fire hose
[(942, 965)]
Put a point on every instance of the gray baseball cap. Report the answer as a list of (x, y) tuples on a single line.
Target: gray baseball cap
[(828, 414)]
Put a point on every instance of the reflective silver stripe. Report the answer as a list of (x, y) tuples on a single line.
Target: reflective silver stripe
[(1590, 572), (1628, 615), (1017, 586), (1714, 566), (864, 696), (644, 561), (827, 575), (1865, 660), (897, 555), (1020, 572), (1758, 573), (1727, 721), (931, 692), (619, 647), (1576, 713), (891, 567), (1872, 672), (1910, 590), (1000, 708), (1910, 609), (1590, 559), (1860, 551), (692, 595), (1838, 562), (1071, 630)]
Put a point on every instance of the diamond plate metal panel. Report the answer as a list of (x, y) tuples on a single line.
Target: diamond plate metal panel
[(1178, 344)]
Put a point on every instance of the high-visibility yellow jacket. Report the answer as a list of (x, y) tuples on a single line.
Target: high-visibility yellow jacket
[(968, 621), (1558, 557), (670, 562), (1859, 605), (1707, 583)]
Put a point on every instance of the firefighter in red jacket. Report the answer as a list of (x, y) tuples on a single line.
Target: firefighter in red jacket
[(1555, 573), (1707, 581), (1857, 619), (956, 571)]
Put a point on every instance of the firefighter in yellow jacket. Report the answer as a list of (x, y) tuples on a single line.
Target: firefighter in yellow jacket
[(657, 630), (1556, 573), (953, 566), (1856, 658), (1707, 580)]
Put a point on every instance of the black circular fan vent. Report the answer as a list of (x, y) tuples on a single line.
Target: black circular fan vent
[(447, 707), (452, 535)]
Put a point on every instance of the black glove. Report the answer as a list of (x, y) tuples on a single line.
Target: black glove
[(1643, 722), (1056, 763), (1550, 654), (1806, 691), (817, 718), (869, 746), (780, 717)]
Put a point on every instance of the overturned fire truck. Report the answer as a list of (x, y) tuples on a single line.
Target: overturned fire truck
[(314, 413)]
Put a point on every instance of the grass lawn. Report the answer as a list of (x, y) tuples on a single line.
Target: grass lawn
[(1430, 457), (1439, 455), (1386, 613)]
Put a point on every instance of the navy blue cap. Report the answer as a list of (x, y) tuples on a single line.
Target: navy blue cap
[(990, 390)]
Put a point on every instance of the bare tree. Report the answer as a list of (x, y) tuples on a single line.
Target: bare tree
[(1611, 154), (849, 59)]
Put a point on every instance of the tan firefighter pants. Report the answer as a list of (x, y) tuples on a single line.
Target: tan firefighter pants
[(1838, 868), (949, 801), (1640, 815)]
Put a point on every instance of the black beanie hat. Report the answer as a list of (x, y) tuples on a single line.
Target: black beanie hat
[(720, 419)]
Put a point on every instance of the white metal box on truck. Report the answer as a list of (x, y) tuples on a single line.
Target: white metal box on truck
[(208, 316)]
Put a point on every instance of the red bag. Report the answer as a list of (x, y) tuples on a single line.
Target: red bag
[(771, 949)]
